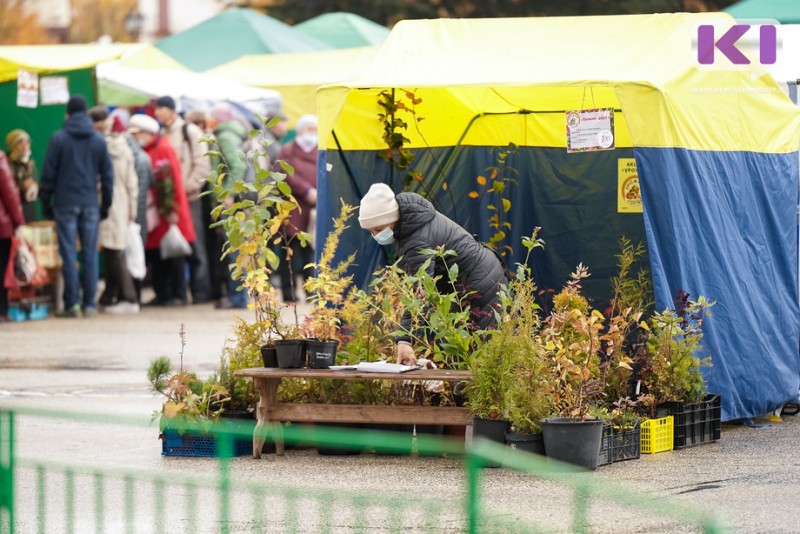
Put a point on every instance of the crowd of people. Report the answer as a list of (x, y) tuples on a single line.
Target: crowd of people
[(111, 179)]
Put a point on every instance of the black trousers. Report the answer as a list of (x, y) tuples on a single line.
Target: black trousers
[(119, 282), (301, 256), (5, 251), (169, 276)]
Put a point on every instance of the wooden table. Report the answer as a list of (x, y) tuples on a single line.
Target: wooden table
[(270, 413)]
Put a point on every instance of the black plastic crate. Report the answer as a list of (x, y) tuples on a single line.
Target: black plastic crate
[(626, 444), (695, 423), (190, 443), (618, 445), (605, 457)]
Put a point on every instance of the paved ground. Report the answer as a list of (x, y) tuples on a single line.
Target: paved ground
[(750, 479)]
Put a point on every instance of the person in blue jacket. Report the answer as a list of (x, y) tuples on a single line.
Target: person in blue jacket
[(77, 157)]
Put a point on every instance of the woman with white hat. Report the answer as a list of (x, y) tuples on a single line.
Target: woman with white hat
[(412, 224)]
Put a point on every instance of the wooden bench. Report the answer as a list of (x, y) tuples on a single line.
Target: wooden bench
[(270, 413)]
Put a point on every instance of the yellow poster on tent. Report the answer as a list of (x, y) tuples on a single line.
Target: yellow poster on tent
[(629, 195)]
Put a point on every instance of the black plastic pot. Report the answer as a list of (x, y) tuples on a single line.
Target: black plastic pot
[(291, 353), (526, 442), (574, 442), (491, 429), (270, 355), (321, 354)]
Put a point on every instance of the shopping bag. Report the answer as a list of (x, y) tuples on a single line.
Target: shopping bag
[(173, 244), (22, 270), (134, 252)]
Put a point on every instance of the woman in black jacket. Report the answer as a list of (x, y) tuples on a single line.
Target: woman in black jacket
[(414, 225)]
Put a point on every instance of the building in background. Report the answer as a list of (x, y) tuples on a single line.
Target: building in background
[(55, 16), (166, 17)]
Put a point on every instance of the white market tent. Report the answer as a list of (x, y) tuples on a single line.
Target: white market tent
[(122, 85)]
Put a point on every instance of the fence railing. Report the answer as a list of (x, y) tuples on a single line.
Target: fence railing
[(223, 495)]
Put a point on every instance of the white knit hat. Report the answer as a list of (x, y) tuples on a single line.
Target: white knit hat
[(143, 123), (378, 207)]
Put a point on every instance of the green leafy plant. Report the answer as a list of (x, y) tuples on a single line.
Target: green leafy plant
[(512, 377), (495, 182), (253, 215), (438, 313), (632, 290), (623, 336), (241, 351), (165, 187), (394, 126), (670, 369)]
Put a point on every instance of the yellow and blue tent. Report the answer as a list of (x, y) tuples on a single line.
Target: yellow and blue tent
[(715, 149)]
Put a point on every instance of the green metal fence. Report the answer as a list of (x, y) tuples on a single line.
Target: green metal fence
[(109, 491)]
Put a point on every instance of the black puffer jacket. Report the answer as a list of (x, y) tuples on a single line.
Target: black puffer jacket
[(421, 227)]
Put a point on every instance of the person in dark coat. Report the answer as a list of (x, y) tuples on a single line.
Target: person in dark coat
[(76, 157), (10, 219), (413, 224)]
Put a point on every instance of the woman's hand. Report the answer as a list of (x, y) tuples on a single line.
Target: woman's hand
[(173, 218), (405, 354)]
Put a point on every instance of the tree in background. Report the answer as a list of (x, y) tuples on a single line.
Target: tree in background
[(19, 26), (92, 19), (388, 12)]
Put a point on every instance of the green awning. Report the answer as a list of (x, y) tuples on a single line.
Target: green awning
[(784, 11), (232, 34), (344, 30)]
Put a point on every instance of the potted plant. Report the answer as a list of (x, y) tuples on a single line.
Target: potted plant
[(190, 410), (528, 398), (622, 339), (571, 337), (508, 383), (241, 351), (486, 391), (671, 372), (328, 290), (252, 211)]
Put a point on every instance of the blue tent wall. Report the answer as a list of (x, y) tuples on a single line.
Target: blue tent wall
[(705, 239), (571, 196)]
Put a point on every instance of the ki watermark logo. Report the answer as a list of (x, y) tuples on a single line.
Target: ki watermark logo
[(740, 46)]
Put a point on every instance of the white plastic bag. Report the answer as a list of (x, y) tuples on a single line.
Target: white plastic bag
[(134, 252), (173, 244)]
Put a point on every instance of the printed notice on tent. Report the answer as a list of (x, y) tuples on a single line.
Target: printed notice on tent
[(27, 89), (629, 195), (54, 90), (590, 129)]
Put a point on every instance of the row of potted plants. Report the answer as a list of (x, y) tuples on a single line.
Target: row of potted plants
[(550, 382)]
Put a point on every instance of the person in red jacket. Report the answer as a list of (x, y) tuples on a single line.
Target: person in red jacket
[(167, 204), (10, 219), (301, 154)]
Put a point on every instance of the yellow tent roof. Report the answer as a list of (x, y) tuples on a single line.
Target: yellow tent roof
[(298, 76), (536, 68), (46, 59)]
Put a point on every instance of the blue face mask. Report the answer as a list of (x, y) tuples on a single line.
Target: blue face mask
[(385, 236)]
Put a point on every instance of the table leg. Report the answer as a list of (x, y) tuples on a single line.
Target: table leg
[(268, 389)]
